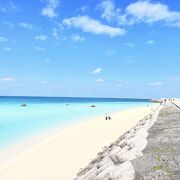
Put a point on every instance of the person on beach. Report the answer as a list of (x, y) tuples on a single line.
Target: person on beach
[(106, 117)]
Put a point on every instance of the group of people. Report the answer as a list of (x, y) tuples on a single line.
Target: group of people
[(108, 117)]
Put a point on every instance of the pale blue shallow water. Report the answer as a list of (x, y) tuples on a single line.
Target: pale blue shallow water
[(43, 114)]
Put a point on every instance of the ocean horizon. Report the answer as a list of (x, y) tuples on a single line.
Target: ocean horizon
[(77, 98), (44, 113)]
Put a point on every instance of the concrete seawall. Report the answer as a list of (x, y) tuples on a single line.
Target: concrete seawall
[(161, 157), (114, 162), (150, 150)]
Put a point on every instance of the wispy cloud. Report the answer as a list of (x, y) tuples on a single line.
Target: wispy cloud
[(77, 38), (141, 11), (39, 48), (97, 70), (25, 25), (7, 49), (11, 25), (118, 83), (175, 78), (3, 39), (129, 59), (122, 83), (55, 32), (99, 80), (41, 37), (8, 78), (144, 11), (50, 9), (47, 60), (43, 82), (83, 9), (150, 42), (108, 10), (111, 13), (155, 84), (93, 26), (109, 51), (9, 7), (129, 44)]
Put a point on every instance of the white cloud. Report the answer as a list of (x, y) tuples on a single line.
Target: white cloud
[(55, 32), (111, 13), (141, 11), (77, 38), (108, 10), (123, 83), (155, 84), (50, 9), (3, 39), (148, 12), (118, 85), (8, 78), (93, 26), (43, 82), (126, 83), (47, 60), (39, 48), (109, 51), (83, 9), (149, 42), (27, 26), (41, 37), (129, 44), (97, 70), (49, 12), (178, 78), (9, 7), (99, 80), (11, 25), (7, 49)]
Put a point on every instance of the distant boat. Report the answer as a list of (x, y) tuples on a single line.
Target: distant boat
[(23, 105)]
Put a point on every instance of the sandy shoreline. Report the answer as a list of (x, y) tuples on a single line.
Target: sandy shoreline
[(116, 160), (62, 154)]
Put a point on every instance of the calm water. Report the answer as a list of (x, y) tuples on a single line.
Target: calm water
[(44, 113)]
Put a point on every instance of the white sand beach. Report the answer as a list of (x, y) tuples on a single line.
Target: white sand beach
[(61, 155)]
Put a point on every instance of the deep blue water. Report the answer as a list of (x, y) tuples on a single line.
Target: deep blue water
[(20, 99), (45, 113)]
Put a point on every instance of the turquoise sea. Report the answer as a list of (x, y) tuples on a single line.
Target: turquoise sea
[(45, 113)]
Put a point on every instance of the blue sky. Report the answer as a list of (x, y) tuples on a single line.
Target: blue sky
[(101, 48)]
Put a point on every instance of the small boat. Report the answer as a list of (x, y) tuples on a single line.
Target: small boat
[(23, 105)]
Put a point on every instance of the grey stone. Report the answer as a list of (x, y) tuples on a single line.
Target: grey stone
[(124, 171), (161, 157)]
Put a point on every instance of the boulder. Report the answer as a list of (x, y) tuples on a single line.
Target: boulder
[(139, 144), (124, 171), (105, 173), (129, 155)]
